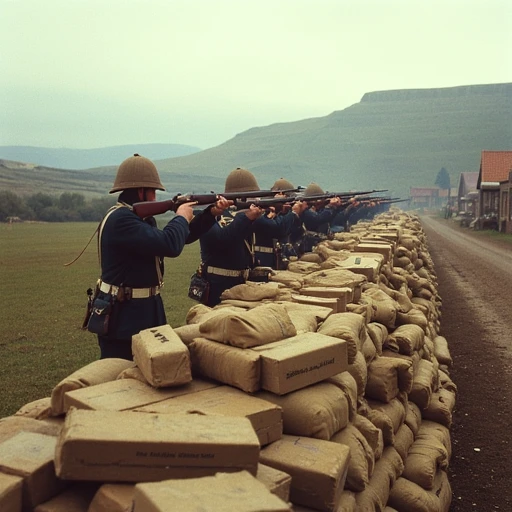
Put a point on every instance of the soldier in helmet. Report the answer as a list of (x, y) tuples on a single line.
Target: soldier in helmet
[(131, 252), (228, 249), (318, 216)]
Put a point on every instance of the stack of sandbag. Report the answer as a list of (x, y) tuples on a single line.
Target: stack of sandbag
[(269, 400)]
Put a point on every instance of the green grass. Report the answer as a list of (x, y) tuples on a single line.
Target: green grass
[(42, 303)]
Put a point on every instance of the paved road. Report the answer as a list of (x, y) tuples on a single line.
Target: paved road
[(475, 285)]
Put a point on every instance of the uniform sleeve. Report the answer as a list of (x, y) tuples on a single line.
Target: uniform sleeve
[(201, 223), (314, 219), (126, 231), (278, 227), (240, 227)]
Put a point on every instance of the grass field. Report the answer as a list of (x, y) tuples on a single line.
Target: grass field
[(42, 303)]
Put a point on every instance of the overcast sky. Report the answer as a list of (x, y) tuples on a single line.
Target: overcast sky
[(95, 73)]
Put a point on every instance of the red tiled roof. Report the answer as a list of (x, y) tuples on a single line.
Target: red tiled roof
[(495, 166)]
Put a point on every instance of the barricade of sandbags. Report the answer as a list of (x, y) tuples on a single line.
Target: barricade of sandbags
[(347, 407)]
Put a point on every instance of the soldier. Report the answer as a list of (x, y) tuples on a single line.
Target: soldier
[(131, 252), (318, 216), (228, 250)]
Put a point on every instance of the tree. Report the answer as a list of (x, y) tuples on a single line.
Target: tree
[(443, 179)]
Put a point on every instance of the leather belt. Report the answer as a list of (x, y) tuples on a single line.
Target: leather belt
[(262, 248), (228, 273), (133, 293)]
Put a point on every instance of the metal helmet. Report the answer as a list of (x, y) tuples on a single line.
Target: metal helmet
[(313, 189), (241, 180), (281, 184), (137, 172)]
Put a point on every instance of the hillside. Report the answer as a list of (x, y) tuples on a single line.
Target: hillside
[(390, 139), (67, 158)]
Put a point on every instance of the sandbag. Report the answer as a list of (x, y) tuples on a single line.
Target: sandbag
[(387, 376), (97, 372), (441, 351), (359, 371), (406, 496), (423, 384), (406, 339), (251, 291), (440, 408), (378, 333), (346, 382), (265, 324), (317, 411), (371, 433), (346, 326), (362, 457)]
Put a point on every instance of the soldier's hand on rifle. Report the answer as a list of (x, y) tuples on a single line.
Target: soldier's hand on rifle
[(334, 202), (220, 205), (299, 206), (186, 210), (254, 212)]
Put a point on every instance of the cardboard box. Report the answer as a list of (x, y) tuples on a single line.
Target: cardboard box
[(345, 294), (10, 493), (381, 248), (329, 302), (113, 498), (318, 469), (126, 394), (299, 361), (277, 482), (113, 446), (367, 264), (265, 417), (239, 492), (30, 456), (12, 425), (74, 499), (235, 366), (162, 357)]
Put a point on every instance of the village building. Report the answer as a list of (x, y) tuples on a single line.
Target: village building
[(493, 206)]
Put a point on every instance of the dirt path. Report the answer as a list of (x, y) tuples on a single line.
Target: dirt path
[(475, 285)]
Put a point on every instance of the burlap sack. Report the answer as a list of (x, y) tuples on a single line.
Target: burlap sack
[(414, 358), (38, 409), (12, 425), (346, 326), (348, 385), (97, 372), (446, 382), (387, 376), (188, 332), (337, 277), (384, 307), (413, 417), (362, 458), (303, 267), (427, 455), (405, 339), (195, 313), (404, 438), (135, 373), (265, 324), (347, 502), (413, 316), (251, 291), (365, 310), (359, 371), (327, 252), (400, 296), (407, 496), (292, 280), (440, 432), (440, 408), (387, 470), (441, 351), (378, 333), (423, 384), (371, 433), (231, 365), (311, 257), (317, 411), (387, 417), (368, 350)]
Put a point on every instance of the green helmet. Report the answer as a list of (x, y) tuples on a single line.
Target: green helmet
[(136, 172), (313, 189), (241, 180)]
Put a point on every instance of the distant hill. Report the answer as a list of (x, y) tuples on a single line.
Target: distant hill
[(67, 158), (390, 139)]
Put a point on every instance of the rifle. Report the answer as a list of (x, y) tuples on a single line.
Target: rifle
[(149, 208), (277, 201)]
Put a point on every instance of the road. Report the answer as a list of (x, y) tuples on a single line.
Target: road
[(475, 285)]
